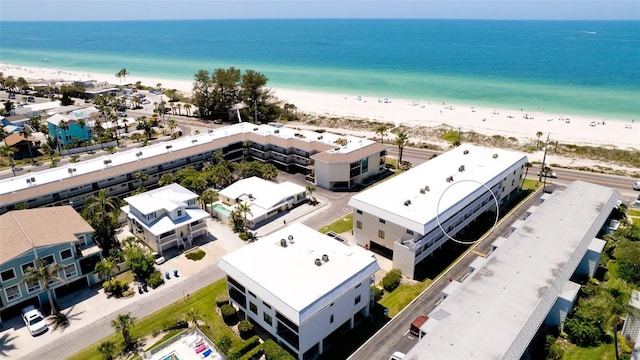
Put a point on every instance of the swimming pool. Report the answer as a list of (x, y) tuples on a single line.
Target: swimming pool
[(171, 356), (221, 209)]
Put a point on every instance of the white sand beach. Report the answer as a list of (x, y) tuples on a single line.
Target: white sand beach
[(521, 124)]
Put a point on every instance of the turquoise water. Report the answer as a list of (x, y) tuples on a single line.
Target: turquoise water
[(575, 67), (223, 210)]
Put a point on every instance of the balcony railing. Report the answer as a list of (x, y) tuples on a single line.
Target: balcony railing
[(167, 239), (199, 226)]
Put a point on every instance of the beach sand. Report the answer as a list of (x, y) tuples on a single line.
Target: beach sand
[(522, 124)]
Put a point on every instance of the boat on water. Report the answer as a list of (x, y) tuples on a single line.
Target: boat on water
[(45, 60)]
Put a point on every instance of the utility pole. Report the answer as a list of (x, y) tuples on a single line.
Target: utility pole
[(255, 110), (542, 170)]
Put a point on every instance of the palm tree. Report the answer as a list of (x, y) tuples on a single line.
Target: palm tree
[(246, 145), (44, 273), (107, 349), (83, 125), (193, 316), (172, 125), (269, 171), (124, 323), (7, 150), (3, 134), (538, 134), (140, 176), (47, 148), (64, 126), (527, 165), (187, 108), (102, 213), (104, 269), (208, 197), (245, 209), (26, 133), (309, 190), (381, 130), (122, 74), (401, 141), (166, 179), (179, 107)]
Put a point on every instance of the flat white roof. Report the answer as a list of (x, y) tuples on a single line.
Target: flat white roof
[(18, 183), (168, 197), (499, 307), (288, 278), (481, 165), (261, 195), (43, 106)]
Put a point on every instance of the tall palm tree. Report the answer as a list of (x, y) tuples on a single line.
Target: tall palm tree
[(179, 107), (172, 125), (7, 150), (401, 141), (83, 125), (269, 171), (166, 179), (527, 165), (107, 349), (187, 108), (26, 133), (47, 148), (381, 130), (104, 269), (102, 213), (122, 74), (124, 323), (44, 273), (193, 316), (245, 209), (140, 176), (538, 134), (208, 197), (64, 126)]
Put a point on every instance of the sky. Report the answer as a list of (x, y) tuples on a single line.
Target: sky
[(91, 10)]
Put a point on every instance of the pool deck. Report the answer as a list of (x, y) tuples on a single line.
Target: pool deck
[(189, 345)]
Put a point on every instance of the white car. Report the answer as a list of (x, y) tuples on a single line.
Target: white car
[(35, 321), (158, 258), (397, 356), (550, 174), (636, 185)]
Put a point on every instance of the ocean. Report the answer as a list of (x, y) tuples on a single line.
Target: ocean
[(573, 67)]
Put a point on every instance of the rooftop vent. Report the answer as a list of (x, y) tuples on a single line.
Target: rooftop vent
[(495, 156), (290, 239), (318, 262), (325, 258), (450, 179), (169, 147), (139, 153), (276, 131), (71, 170), (466, 152), (107, 162), (461, 168), (407, 202), (320, 137), (31, 180), (255, 129), (283, 242), (422, 190), (193, 141), (426, 188)]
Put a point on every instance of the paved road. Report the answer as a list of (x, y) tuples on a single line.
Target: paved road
[(394, 335)]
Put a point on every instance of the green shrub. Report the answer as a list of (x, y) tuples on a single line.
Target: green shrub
[(224, 343), (255, 354), (391, 280), (245, 327), (222, 299), (273, 351), (177, 324), (228, 313), (377, 292), (243, 348), (155, 279), (243, 236), (115, 287), (196, 255), (556, 352)]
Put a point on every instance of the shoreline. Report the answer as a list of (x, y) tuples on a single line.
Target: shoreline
[(522, 125)]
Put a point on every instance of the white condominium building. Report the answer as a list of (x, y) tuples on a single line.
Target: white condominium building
[(303, 287), (407, 216)]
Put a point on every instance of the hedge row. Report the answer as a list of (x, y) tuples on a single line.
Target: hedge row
[(238, 351), (273, 351)]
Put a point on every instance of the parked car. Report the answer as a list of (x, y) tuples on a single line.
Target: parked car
[(397, 356), (414, 329), (636, 185), (547, 173), (121, 113), (35, 321), (31, 99), (158, 258)]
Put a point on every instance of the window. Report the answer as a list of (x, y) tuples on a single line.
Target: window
[(70, 271), (359, 212), (12, 292), (65, 254), (357, 300), (410, 232), (357, 286), (179, 212), (253, 307), (250, 293), (381, 234), (33, 286), (267, 318), (48, 259), (267, 305), (382, 221), (8, 275), (359, 224), (25, 267), (331, 319)]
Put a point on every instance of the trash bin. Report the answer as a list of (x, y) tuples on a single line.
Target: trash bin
[(166, 275), (175, 273)]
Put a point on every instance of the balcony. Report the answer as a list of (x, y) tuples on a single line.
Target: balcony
[(167, 239), (198, 226)]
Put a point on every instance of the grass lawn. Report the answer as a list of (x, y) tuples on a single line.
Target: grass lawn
[(399, 298), (339, 226), (530, 184), (633, 212), (202, 300), (636, 221), (602, 352), (127, 276)]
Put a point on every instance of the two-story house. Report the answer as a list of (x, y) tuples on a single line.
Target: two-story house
[(55, 234), (166, 217)]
